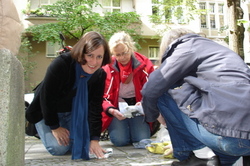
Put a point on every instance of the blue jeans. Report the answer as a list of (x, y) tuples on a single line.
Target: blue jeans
[(188, 134), (129, 130), (47, 138)]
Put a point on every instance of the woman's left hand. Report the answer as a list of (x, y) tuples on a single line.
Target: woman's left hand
[(138, 103), (168, 151), (161, 120), (96, 149)]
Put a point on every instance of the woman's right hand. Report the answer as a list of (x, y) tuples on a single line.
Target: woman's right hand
[(116, 113), (62, 136)]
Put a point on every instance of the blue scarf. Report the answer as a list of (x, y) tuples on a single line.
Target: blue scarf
[(79, 132)]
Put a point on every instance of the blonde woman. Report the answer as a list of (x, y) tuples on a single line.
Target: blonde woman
[(126, 76)]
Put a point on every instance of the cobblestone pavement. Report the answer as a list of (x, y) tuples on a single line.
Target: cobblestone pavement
[(36, 155)]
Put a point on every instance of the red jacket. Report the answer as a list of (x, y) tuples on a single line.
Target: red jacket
[(142, 67)]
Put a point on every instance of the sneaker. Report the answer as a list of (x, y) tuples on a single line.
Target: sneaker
[(246, 160), (194, 161)]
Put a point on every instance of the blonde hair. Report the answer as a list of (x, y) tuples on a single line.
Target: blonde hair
[(170, 36), (121, 38)]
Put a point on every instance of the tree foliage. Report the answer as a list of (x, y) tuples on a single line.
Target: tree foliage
[(24, 54), (76, 17), (116, 21)]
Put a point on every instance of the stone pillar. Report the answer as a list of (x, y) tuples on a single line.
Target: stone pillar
[(12, 119), (11, 88)]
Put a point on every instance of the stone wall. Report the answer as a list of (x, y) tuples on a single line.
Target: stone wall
[(10, 27)]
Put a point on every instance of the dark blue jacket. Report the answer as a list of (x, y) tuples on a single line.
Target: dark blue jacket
[(213, 85)]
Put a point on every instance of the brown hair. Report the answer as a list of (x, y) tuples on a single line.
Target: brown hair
[(89, 42)]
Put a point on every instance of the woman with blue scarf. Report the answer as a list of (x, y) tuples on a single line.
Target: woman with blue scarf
[(67, 106)]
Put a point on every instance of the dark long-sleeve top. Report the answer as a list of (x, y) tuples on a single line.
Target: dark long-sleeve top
[(56, 92), (213, 85)]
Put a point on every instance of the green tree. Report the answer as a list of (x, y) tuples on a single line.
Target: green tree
[(76, 17)]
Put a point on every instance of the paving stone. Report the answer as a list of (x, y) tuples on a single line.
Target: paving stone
[(36, 155)]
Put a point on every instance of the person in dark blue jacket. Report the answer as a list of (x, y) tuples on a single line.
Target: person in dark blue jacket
[(202, 89), (67, 106)]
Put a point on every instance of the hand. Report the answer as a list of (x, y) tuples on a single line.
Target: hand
[(138, 103), (96, 149), (62, 136), (161, 120), (168, 151), (116, 113)]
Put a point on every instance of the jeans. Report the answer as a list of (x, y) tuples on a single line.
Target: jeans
[(129, 130), (47, 138), (188, 134)]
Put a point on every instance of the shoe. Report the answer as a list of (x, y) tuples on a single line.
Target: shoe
[(194, 161), (246, 160)]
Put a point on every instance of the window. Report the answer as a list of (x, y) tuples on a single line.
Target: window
[(203, 21), (180, 15), (160, 13), (211, 7), (222, 21), (220, 8), (202, 6), (111, 5), (36, 4), (213, 17), (212, 21), (203, 16), (156, 11), (153, 52), (52, 49), (168, 16), (47, 2)]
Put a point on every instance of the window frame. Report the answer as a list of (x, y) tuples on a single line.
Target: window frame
[(203, 24), (110, 8), (221, 8), (215, 16), (212, 21), (211, 7), (49, 2), (202, 5), (52, 49), (156, 52)]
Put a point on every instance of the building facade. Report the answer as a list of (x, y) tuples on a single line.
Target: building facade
[(210, 24)]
